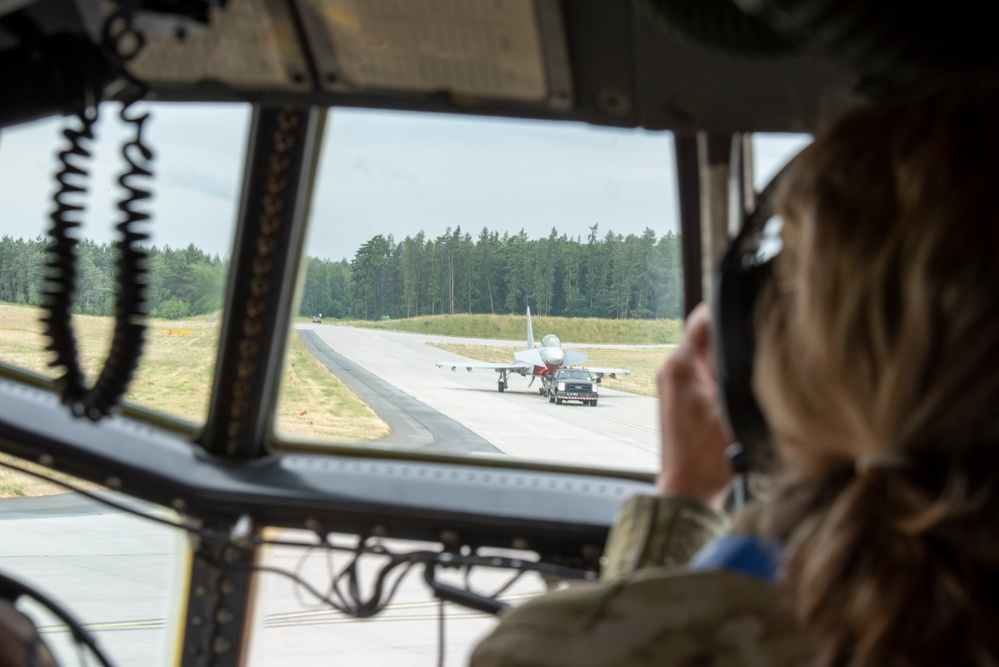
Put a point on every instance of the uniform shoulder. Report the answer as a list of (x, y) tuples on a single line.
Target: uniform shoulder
[(654, 617)]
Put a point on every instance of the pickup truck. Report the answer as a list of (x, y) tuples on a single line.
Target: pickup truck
[(571, 384)]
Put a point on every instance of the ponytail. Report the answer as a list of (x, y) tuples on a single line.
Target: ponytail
[(882, 575), (878, 343)]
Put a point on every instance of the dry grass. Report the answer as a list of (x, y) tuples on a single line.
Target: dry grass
[(15, 484), (514, 327), (175, 378), (642, 362), (21, 342), (314, 404), (175, 374)]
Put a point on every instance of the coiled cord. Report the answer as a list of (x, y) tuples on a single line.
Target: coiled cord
[(61, 274), (130, 278), (130, 268)]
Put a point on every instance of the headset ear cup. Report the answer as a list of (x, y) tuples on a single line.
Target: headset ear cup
[(20, 643), (741, 278), (736, 291), (761, 455)]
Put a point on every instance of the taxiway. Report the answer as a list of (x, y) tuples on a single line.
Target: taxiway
[(621, 432)]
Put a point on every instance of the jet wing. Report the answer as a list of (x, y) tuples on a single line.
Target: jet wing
[(515, 367), (528, 358), (612, 372)]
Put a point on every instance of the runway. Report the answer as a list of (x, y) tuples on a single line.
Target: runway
[(621, 432), (413, 423), (119, 574)]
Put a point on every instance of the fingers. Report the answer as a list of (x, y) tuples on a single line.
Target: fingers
[(695, 330), (693, 440), (692, 357), (698, 336)]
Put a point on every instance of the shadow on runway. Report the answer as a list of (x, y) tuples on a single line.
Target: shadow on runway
[(413, 424)]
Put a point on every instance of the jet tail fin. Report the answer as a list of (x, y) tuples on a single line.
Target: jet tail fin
[(530, 331)]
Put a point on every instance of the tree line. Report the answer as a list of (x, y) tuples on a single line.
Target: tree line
[(609, 276), (182, 282)]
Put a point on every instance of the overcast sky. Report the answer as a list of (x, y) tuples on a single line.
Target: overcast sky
[(381, 173)]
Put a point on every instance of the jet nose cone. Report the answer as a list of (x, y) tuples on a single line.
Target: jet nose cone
[(556, 357)]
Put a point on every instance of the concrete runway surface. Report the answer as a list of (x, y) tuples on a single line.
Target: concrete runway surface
[(117, 572), (621, 432)]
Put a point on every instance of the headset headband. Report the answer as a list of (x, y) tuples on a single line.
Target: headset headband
[(741, 276)]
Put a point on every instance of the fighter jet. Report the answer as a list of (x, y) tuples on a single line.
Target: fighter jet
[(537, 361)]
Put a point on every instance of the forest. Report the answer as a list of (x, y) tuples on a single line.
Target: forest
[(609, 276)]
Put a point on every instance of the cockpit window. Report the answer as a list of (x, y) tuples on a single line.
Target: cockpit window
[(431, 239), (773, 151), (431, 242), (197, 168)]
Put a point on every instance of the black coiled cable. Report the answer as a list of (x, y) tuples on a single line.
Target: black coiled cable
[(60, 279), (130, 278), (131, 270)]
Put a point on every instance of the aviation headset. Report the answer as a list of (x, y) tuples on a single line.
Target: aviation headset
[(745, 269)]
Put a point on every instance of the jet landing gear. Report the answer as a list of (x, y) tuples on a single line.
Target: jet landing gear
[(501, 385)]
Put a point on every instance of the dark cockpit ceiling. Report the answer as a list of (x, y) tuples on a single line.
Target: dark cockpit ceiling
[(716, 65)]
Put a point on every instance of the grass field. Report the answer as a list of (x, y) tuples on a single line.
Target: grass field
[(642, 362), (314, 404), (14, 483), (514, 327), (175, 378)]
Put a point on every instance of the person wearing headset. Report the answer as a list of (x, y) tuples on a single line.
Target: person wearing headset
[(874, 343)]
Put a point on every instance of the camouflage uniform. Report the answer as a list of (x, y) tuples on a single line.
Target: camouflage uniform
[(648, 610)]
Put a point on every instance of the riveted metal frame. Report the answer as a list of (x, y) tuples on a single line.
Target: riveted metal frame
[(219, 603), (689, 190), (281, 163), (714, 177), (280, 168)]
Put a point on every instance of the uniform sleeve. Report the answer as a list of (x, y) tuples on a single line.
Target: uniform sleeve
[(653, 618), (656, 531)]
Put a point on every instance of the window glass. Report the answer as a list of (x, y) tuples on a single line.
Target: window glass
[(113, 571), (197, 167), (773, 151), (292, 626), (432, 235)]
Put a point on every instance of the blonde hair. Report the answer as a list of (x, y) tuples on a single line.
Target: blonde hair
[(878, 372)]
